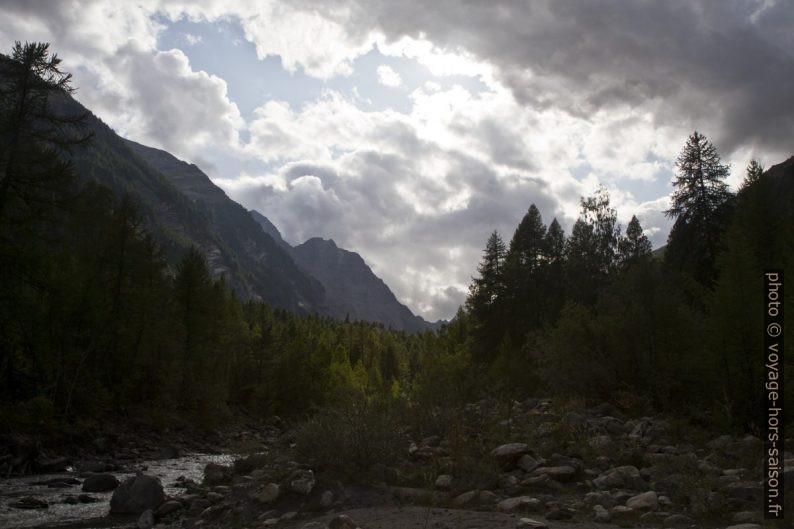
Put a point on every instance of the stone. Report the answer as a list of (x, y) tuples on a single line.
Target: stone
[(600, 514), (743, 490), (529, 523), (619, 477), (521, 503), (507, 481), (443, 482), (145, 520), (326, 499), (653, 517), (269, 494), (507, 455), (527, 463), (746, 517), (560, 514), (168, 452), (302, 481), (100, 483), (647, 501), (745, 526), (542, 483), (342, 521), (677, 520), (563, 474), (214, 497), (621, 514), (215, 474), (137, 494), (314, 525), (86, 498), (29, 502), (169, 507)]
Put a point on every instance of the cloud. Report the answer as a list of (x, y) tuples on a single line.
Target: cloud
[(388, 77)]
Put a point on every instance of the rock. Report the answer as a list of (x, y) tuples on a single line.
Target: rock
[(342, 521), (169, 507), (432, 441), (620, 477), (507, 455), (314, 525), (527, 463), (168, 452), (521, 503), (326, 499), (146, 520), (678, 520), (215, 474), (100, 483), (560, 514), (600, 514), (507, 481), (475, 497), (86, 498), (136, 495), (29, 502), (653, 517), (269, 494), (745, 526), (621, 514), (747, 517), (289, 515), (214, 497), (542, 483), (443, 482), (529, 523), (302, 481), (563, 474), (647, 501)]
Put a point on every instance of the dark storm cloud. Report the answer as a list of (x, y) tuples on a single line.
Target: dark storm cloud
[(722, 66)]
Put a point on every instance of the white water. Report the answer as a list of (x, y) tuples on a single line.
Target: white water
[(190, 466)]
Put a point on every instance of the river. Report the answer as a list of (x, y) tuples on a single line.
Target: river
[(91, 515)]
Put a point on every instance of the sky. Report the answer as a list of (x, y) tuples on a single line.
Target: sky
[(409, 131)]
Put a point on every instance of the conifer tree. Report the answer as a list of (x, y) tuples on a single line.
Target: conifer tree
[(754, 172), (635, 245), (697, 207)]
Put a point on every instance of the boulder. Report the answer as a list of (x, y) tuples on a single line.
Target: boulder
[(647, 501), (215, 474), (563, 474), (137, 494), (302, 481), (100, 483), (507, 455), (529, 523), (527, 463), (342, 521), (521, 503), (29, 502), (443, 482), (145, 520), (620, 477), (560, 514), (678, 520), (601, 515), (169, 507)]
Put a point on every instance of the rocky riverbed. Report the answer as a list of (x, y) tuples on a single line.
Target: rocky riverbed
[(542, 467)]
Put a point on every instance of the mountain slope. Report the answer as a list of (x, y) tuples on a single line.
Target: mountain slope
[(183, 208), (352, 288)]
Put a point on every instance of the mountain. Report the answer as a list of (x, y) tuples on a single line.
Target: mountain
[(352, 288), (183, 208)]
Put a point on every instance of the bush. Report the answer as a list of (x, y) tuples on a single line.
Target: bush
[(356, 434)]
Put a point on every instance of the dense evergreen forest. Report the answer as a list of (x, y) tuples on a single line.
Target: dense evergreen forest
[(94, 321)]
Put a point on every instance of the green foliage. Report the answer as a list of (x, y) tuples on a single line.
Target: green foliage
[(353, 436)]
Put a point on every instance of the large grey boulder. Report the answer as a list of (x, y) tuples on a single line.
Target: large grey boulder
[(507, 455), (136, 495)]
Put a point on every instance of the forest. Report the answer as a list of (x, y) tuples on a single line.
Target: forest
[(94, 321)]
